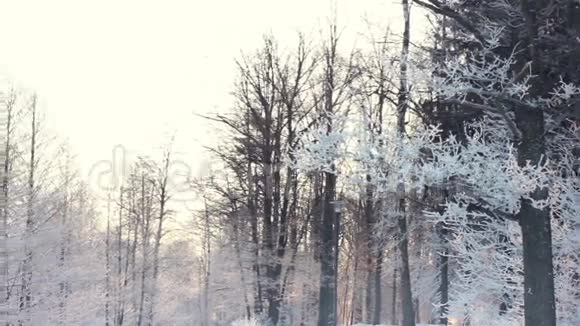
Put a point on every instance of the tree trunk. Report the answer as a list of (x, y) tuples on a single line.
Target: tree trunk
[(108, 263), (327, 305), (240, 265), (64, 243), (539, 300), (378, 293), (327, 302), (145, 216), (394, 298), (163, 199), (406, 293), (120, 313), (443, 277), (369, 224), (26, 291), (5, 158)]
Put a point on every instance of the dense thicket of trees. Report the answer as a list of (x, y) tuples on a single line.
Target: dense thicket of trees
[(386, 183)]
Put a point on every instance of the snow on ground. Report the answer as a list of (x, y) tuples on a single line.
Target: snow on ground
[(255, 323), (390, 325)]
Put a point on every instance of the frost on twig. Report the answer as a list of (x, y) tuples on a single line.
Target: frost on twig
[(322, 147)]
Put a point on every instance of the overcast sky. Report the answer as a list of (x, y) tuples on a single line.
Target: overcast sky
[(130, 72)]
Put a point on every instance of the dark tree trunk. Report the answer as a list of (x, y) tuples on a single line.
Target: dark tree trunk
[(370, 277), (368, 300), (406, 293), (327, 305), (5, 158), (443, 277), (378, 293), (539, 300), (394, 298)]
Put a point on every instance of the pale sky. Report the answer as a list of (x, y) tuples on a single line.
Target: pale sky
[(129, 72)]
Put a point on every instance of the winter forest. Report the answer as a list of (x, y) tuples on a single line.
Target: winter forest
[(395, 180)]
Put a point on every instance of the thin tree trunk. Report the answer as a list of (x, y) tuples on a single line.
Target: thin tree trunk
[(369, 223), (163, 199), (251, 204), (241, 266), (443, 278), (355, 314), (207, 249), (120, 292), (368, 300), (26, 292), (378, 287), (146, 216), (108, 263), (326, 312), (63, 285), (5, 157), (406, 293), (394, 298)]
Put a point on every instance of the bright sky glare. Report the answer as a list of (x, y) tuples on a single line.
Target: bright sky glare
[(130, 72)]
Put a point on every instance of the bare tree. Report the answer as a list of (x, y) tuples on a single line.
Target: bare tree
[(6, 129), (406, 294), (25, 300)]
